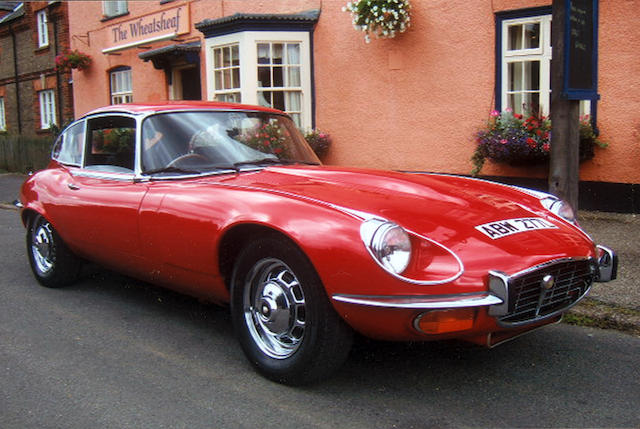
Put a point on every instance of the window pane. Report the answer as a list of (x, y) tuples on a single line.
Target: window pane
[(514, 102), (515, 37), (226, 57), (218, 79), (532, 103), (264, 77), (278, 77), (277, 53), (278, 100), (263, 53), (293, 101), (264, 98), (532, 36), (235, 55), (293, 54), (515, 76), (227, 78), (294, 76), (217, 60), (532, 75), (236, 78)]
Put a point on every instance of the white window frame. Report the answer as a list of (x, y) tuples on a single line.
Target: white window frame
[(248, 47), (3, 119), (114, 7), (43, 29), (541, 54), (47, 108), (121, 93)]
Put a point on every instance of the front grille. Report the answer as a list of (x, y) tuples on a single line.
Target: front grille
[(529, 300)]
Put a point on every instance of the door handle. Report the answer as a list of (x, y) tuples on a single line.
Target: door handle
[(73, 187)]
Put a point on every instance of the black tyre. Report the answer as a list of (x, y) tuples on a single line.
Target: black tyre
[(282, 316), (52, 263)]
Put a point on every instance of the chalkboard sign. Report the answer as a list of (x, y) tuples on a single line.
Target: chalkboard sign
[(581, 50)]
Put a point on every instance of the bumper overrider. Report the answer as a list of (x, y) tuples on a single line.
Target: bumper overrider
[(518, 302)]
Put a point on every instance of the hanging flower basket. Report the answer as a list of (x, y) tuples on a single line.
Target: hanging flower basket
[(510, 138), (319, 142), (382, 18), (72, 60)]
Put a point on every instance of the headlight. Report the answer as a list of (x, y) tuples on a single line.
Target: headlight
[(559, 208), (388, 243)]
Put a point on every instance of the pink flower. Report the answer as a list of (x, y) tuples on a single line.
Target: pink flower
[(503, 141), (495, 113), (546, 147)]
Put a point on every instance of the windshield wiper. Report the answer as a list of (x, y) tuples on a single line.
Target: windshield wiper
[(172, 170)]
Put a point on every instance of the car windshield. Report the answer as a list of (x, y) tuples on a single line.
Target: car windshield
[(201, 141)]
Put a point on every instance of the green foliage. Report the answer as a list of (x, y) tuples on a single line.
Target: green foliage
[(320, 142), (382, 18), (512, 139), (72, 60)]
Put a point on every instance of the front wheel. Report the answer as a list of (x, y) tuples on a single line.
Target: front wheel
[(282, 316), (52, 263)]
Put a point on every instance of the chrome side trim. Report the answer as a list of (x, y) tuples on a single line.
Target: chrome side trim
[(103, 175), (421, 302)]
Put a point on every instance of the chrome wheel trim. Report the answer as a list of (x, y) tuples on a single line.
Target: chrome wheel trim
[(42, 247), (274, 308)]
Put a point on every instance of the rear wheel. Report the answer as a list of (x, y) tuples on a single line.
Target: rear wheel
[(282, 316), (52, 263)]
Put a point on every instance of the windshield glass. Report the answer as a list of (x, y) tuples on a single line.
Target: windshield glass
[(200, 141)]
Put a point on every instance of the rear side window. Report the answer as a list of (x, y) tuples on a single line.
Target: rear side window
[(69, 146), (111, 142)]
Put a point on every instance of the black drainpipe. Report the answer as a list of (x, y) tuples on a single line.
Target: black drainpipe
[(58, 85), (15, 74)]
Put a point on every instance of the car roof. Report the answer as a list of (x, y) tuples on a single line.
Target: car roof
[(167, 106)]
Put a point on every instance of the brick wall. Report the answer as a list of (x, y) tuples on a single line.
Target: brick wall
[(32, 68)]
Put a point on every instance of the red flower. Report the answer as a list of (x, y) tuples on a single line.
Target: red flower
[(531, 143), (546, 147)]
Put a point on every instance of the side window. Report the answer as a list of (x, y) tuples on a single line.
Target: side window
[(111, 144), (68, 148)]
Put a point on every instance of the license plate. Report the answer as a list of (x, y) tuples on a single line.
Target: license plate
[(503, 228)]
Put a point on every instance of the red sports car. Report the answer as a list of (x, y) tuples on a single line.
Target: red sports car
[(229, 204)]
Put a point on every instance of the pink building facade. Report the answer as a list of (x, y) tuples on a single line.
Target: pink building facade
[(414, 102)]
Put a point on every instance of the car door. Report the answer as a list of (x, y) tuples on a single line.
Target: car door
[(103, 197)]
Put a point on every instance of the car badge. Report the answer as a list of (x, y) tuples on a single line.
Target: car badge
[(548, 281)]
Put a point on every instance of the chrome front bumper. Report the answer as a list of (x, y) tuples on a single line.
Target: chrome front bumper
[(607, 264), (421, 302), (497, 298)]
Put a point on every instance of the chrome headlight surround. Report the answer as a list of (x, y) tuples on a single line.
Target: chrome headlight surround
[(390, 246), (560, 208), (388, 243)]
